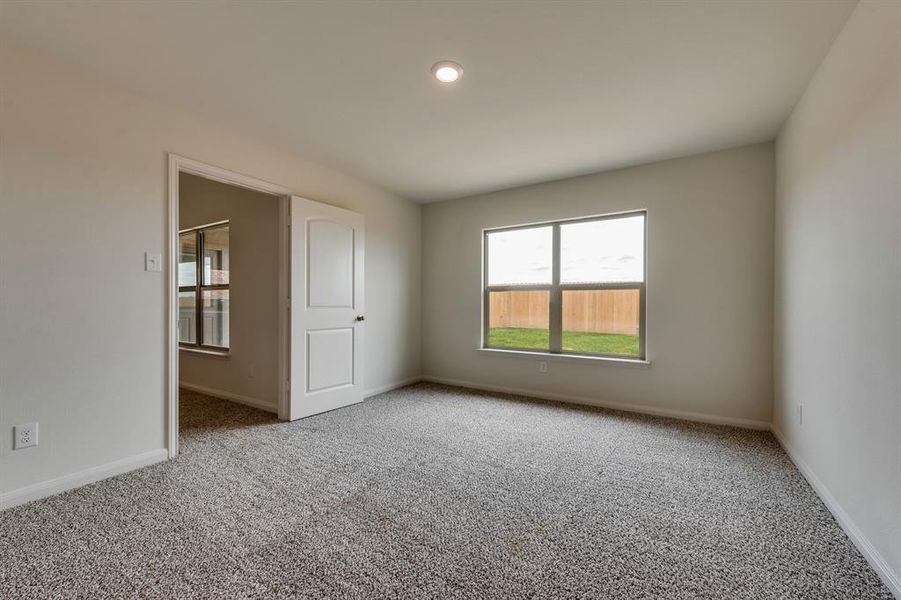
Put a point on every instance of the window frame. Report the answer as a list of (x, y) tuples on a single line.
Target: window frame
[(198, 288), (555, 291)]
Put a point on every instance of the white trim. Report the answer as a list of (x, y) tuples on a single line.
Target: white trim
[(391, 386), (573, 358), (889, 577), (225, 395), (284, 311), (587, 401), (208, 171), (80, 478), (180, 164), (207, 353), (172, 309)]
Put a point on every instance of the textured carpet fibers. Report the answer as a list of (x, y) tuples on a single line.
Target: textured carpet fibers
[(437, 492)]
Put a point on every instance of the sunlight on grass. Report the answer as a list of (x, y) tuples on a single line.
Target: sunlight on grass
[(513, 337), (573, 341), (600, 343)]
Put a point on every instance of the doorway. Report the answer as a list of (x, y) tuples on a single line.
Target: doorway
[(200, 297), (318, 306)]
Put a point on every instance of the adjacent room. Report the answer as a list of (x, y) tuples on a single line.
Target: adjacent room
[(228, 292), (495, 299)]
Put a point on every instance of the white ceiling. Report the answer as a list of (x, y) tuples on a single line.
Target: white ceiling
[(550, 89)]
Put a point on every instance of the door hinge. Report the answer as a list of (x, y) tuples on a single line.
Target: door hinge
[(288, 385)]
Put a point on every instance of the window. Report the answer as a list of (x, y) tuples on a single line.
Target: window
[(203, 287), (569, 287)]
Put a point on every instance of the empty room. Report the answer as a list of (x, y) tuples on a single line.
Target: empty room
[(450, 299)]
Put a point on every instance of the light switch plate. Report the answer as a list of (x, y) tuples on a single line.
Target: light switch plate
[(153, 262)]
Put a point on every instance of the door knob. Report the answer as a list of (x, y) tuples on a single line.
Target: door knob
[(360, 318)]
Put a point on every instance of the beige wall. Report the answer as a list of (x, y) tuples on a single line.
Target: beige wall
[(82, 326), (251, 368), (710, 269), (838, 277)]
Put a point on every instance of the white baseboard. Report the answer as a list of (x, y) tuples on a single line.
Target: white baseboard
[(891, 579), (586, 401), (247, 400), (391, 386), (80, 478)]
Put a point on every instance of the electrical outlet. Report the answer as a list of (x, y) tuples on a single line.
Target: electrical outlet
[(25, 436), (542, 367)]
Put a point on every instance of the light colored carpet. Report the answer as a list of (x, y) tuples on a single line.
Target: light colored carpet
[(437, 492)]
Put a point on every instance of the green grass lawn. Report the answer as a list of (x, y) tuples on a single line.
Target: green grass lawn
[(573, 341)]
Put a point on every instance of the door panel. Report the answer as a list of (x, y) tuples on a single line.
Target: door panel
[(326, 298), (330, 358), (331, 264)]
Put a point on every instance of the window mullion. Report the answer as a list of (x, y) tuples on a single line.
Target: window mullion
[(555, 324), (198, 282)]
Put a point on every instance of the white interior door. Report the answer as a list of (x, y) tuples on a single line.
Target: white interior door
[(326, 308)]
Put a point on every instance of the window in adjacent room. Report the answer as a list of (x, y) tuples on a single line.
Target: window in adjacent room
[(573, 287), (203, 287)]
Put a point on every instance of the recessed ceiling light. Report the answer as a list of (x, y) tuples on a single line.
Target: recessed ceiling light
[(447, 71)]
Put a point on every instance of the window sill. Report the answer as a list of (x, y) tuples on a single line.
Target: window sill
[(205, 352), (570, 358)]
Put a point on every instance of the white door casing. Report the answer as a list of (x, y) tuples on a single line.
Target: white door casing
[(326, 308)]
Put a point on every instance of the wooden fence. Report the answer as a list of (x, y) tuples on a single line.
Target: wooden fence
[(597, 311)]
